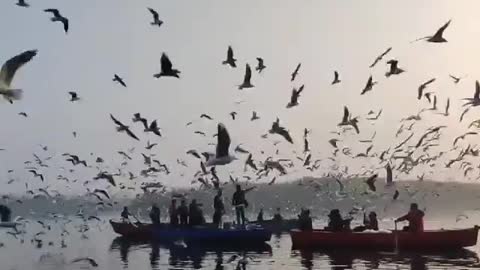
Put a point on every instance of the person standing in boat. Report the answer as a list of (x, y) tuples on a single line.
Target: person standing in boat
[(5, 213), (195, 214), (305, 220), (240, 203), (219, 209), (183, 212), (260, 215), (155, 214), (173, 213), (414, 218), (278, 216), (125, 214)]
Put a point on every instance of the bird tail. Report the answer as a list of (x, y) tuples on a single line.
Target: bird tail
[(12, 94), (158, 75)]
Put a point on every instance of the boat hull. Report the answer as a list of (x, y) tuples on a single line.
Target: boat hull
[(427, 240), (278, 226), (166, 233)]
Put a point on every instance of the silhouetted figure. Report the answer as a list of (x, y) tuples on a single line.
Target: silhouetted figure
[(125, 214), (336, 223), (278, 217), (239, 202), (368, 224), (305, 221), (414, 218), (260, 215), (195, 214), (183, 213), (172, 211), (5, 213), (155, 214), (219, 208)]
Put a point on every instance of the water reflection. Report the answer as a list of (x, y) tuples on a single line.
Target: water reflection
[(182, 256), (347, 259)]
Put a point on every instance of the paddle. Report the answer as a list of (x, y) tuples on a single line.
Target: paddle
[(396, 239), (138, 221)]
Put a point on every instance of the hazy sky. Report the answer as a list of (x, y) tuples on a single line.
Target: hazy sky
[(115, 36)]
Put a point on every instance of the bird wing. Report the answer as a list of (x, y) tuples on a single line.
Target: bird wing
[(116, 121), (54, 11), (65, 23), (335, 73), (260, 61), (439, 32), (477, 91), (131, 134), (154, 13), (248, 73), (230, 53), (345, 114), (283, 132), (223, 141), (389, 173), (447, 106), (165, 62), (11, 66)]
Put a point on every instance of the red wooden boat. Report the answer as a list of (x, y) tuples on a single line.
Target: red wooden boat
[(427, 240)]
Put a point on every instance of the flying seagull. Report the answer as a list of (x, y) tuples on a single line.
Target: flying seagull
[(347, 120), (36, 174), (230, 59), (7, 74), (222, 156), (22, 3), (455, 79), (24, 114), (206, 116), (423, 86), (277, 129), (73, 96), (91, 261), (394, 69), (156, 20), (118, 79), (166, 68), (152, 128), (57, 17), (254, 116), (389, 178), (371, 182), (295, 95), (380, 57), (246, 79), (121, 127), (295, 72), (446, 108), (233, 114), (438, 36), (475, 101), (336, 78), (368, 86), (260, 66)]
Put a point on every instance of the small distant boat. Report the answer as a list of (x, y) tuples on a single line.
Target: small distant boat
[(166, 233), (276, 226), (8, 224), (427, 240)]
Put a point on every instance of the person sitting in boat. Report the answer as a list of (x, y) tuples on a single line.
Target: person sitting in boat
[(219, 208), (414, 218), (173, 213), (336, 223), (278, 217), (260, 215), (155, 214), (368, 224), (195, 214), (305, 221), (125, 214), (183, 212), (5, 213)]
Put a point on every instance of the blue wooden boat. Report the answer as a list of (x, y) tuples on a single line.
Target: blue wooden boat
[(207, 233)]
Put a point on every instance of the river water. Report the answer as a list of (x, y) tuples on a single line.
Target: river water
[(56, 243)]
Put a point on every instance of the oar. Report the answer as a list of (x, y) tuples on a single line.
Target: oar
[(136, 219), (396, 239)]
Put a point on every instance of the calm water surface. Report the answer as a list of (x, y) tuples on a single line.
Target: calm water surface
[(52, 250)]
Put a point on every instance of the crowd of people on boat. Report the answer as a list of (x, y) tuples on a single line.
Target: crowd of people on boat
[(192, 215)]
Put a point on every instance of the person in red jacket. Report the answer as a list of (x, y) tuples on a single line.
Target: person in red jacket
[(414, 218)]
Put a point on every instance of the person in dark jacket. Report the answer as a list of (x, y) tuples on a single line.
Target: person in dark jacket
[(195, 214), (260, 215), (278, 216), (240, 203), (173, 213), (183, 212), (155, 214), (5, 213), (414, 218), (368, 224), (125, 214), (305, 221), (336, 223), (219, 208)]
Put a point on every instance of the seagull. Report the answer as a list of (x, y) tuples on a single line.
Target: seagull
[(150, 145), (206, 116), (380, 57), (73, 96), (254, 116), (118, 79), (336, 78), (333, 142), (348, 121), (395, 195), (438, 36), (294, 98), (166, 68), (277, 129), (22, 3), (295, 72), (230, 59), (125, 155), (246, 79), (36, 174), (377, 116), (368, 86), (389, 178), (250, 162), (455, 79), (475, 101), (233, 114), (394, 69), (24, 114), (260, 66), (423, 86), (193, 153), (91, 261), (371, 182), (121, 127), (156, 20), (239, 149), (7, 74), (106, 176), (152, 128), (462, 137), (57, 17), (446, 108), (222, 156)]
